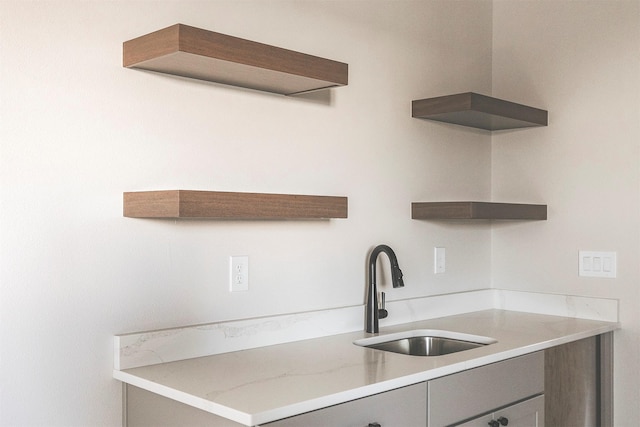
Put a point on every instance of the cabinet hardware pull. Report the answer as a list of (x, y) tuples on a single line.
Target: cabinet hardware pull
[(374, 425), (493, 423), (503, 420)]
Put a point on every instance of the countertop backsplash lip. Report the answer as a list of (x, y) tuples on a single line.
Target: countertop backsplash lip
[(133, 350), (145, 348), (581, 307)]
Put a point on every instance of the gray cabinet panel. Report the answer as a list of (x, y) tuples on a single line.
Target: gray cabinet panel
[(146, 409), (529, 413), (481, 390), (406, 407)]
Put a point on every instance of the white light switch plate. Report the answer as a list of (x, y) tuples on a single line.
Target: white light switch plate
[(597, 264)]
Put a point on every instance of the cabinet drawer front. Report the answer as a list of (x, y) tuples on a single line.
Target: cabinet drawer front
[(527, 413), (406, 407), (481, 390)]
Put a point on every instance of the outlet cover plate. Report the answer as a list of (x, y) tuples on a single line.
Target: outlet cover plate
[(439, 260), (238, 273)]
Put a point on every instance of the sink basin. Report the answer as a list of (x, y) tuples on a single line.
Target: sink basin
[(425, 342)]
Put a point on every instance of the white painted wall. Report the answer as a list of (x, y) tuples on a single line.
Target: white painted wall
[(581, 61), (77, 130)]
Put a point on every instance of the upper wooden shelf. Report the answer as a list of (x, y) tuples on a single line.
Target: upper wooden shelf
[(227, 205), (200, 54), (478, 111), (477, 210)]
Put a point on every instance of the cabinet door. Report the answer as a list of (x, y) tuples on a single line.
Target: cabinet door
[(406, 407), (529, 413)]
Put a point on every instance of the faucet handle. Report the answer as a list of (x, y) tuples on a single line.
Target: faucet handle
[(382, 313)]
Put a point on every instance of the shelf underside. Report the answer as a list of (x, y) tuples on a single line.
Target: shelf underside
[(477, 210), (206, 55), (229, 205), (478, 111)]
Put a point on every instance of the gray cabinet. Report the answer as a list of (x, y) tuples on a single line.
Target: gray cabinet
[(469, 397), (529, 413), (406, 407)]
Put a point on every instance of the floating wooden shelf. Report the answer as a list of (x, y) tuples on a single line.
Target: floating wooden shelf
[(477, 210), (478, 111), (200, 54), (228, 205)]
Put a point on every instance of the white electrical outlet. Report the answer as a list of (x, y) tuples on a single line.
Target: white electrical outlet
[(439, 261), (597, 264), (238, 273)]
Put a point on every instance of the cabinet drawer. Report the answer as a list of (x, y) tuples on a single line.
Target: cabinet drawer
[(481, 390), (406, 407), (529, 413)]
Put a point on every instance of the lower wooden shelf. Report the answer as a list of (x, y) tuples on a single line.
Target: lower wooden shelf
[(229, 205), (478, 111), (477, 210)]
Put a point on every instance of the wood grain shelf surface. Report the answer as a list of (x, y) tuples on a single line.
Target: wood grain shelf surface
[(478, 111), (206, 55), (477, 210), (229, 205)]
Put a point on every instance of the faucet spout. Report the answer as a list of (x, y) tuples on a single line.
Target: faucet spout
[(372, 310)]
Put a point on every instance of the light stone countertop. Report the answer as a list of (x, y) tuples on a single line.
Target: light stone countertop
[(268, 383)]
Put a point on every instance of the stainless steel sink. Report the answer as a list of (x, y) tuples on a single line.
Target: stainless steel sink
[(425, 342)]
